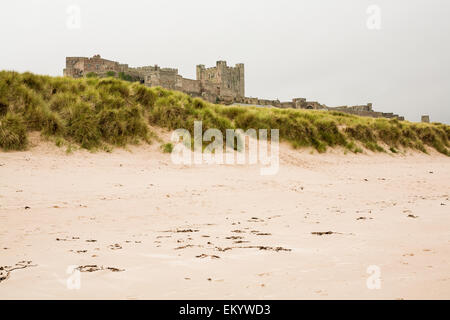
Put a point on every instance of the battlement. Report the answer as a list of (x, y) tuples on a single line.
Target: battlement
[(230, 80), (77, 67)]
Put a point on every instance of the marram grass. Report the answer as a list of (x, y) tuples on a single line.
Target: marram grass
[(96, 113)]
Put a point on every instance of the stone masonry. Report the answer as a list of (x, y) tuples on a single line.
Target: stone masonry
[(219, 84)]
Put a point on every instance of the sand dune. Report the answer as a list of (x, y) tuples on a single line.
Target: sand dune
[(137, 226)]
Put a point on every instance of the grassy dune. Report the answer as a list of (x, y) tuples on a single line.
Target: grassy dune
[(99, 113)]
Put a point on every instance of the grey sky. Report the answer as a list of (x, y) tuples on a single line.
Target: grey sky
[(318, 49)]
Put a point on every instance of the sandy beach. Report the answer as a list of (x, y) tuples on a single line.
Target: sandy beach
[(139, 227)]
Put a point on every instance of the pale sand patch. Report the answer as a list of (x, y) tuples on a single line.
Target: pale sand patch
[(181, 232)]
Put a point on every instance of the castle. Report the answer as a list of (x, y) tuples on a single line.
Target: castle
[(220, 84)]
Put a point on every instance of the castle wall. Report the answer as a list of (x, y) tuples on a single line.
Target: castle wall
[(192, 87), (219, 84), (362, 108), (80, 66), (210, 91)]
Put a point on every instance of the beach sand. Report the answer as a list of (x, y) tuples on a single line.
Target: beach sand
[(149, 229)]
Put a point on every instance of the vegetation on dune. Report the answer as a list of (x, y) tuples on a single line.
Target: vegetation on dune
[(167, 147), (91, 75), (96, 112), (13, 133)]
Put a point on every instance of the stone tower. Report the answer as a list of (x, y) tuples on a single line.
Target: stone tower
[(228, 80)]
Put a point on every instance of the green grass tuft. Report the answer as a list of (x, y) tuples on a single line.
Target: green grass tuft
[(393, 150), (167, 147), (13, 132)]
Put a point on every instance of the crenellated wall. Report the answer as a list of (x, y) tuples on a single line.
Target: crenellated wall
[(230, 80), (80, 66)]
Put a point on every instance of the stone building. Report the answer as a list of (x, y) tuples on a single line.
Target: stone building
[(77, 67), (228, 80), (220, 84), (425, 118)]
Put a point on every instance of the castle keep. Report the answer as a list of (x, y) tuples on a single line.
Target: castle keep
[(219, 84)]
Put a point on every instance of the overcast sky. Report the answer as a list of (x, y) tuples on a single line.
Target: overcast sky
[(322, 50)]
